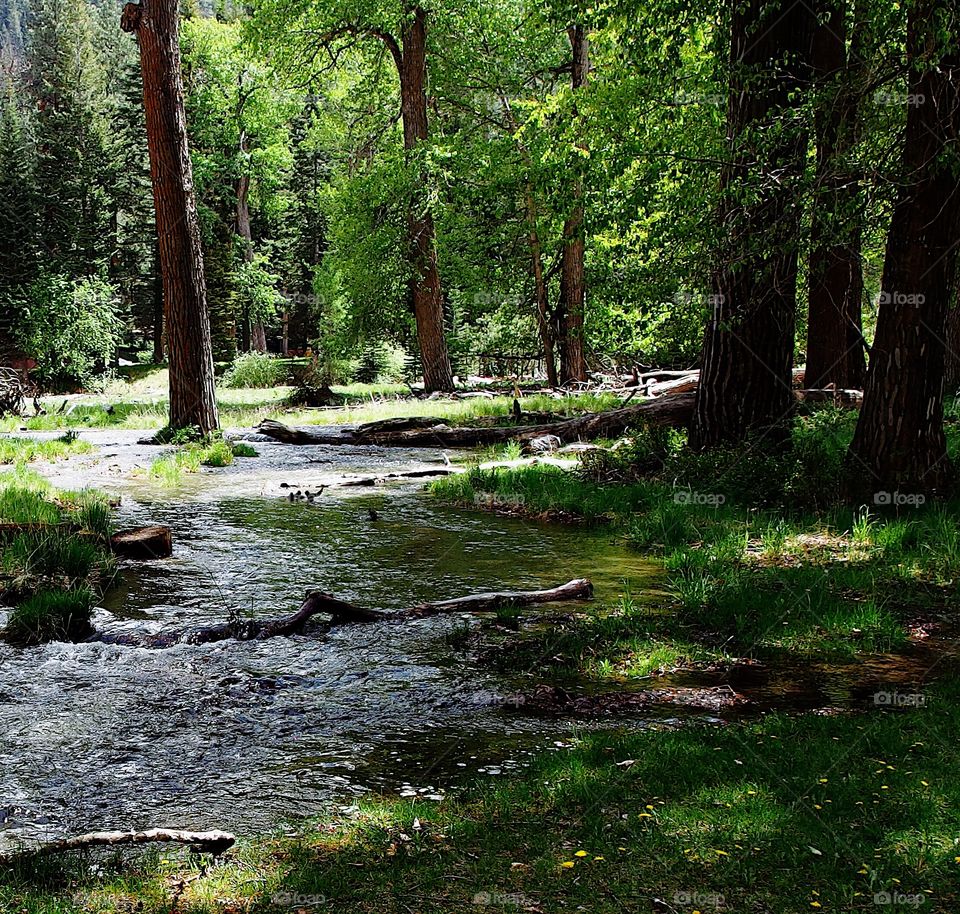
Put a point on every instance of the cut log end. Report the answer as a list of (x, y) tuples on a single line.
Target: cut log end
[(143, 543)]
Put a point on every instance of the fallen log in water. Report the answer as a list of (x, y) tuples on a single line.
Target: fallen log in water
[(205, 842), (343, 613)]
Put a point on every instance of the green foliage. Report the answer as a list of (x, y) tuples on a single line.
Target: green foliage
[(69, 326), (255, 369)]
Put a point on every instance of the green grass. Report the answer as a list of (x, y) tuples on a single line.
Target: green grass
[(51, 615), (26, 450), (761, 558), (169, 470), (142, 404), (51, 572), (868, 804)]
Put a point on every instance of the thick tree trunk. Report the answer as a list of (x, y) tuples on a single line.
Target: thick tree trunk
[(425, 280), (899, 443), (159, 320), (748, 344), (573, 363), (835, 350), (192, 398)]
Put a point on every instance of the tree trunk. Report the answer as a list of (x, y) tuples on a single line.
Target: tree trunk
[(258, 333), (899, 443), (573, 364), (158, 310), (835, 350), (541, 290), (748, 344), (425, 279), (192, 398), (951, 368)]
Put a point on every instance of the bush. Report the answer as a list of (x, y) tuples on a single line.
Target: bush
[(69, 326), (255, 369)]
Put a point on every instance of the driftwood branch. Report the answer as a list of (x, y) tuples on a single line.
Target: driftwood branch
[(206, 842), (343, 613)]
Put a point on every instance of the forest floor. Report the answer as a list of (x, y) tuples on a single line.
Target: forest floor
[(842, 618)]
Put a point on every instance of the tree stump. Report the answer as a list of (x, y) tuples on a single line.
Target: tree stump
[(143, 543)]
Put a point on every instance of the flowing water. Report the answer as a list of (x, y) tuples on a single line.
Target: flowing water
[(247, 736), (251, 736)]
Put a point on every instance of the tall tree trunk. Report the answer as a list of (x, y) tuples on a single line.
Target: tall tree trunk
[(748, 345), (899, 440), (158, 311), (835, 350), (257, 335), (425, 281), (192, 398), (544, 324), (541, 288), (573, 363)]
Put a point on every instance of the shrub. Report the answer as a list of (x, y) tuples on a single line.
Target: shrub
[(69, 326), (255, 369)]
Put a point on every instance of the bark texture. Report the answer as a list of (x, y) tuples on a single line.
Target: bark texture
[(748, 344), (192, 402), (570, 309), (835, 349), (425, 288), (899, 443)]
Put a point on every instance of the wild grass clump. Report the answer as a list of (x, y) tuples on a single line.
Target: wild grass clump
[(26, 450), (213, 451), (55, 560), (51, 615)]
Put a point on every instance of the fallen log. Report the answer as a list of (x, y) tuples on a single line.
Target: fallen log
[(204, 842), (675, 410), (343, 613), (409, 474)]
